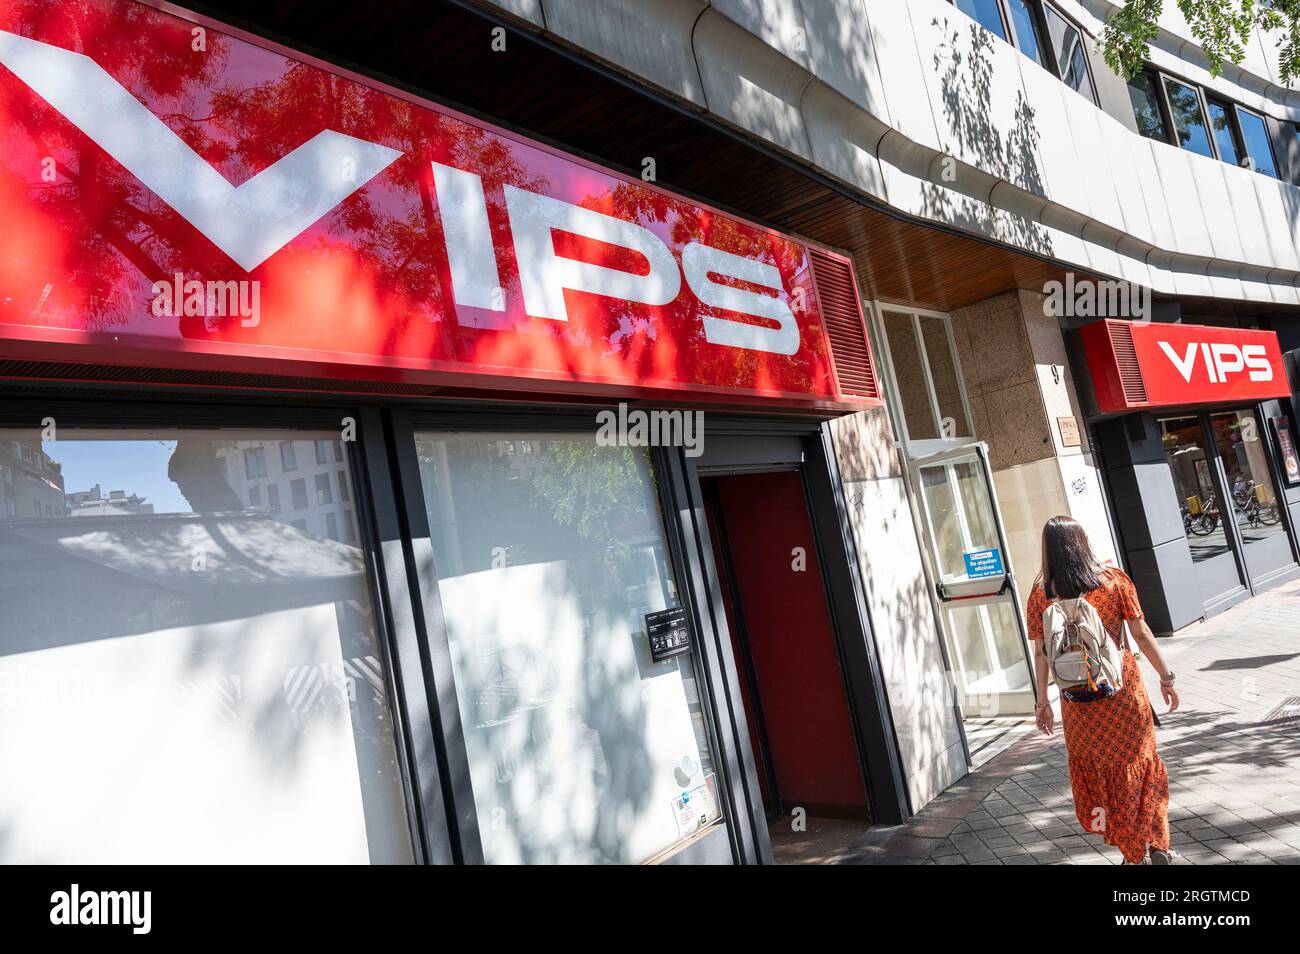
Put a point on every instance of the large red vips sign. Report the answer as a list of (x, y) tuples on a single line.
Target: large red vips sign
[(175, 196), (1140, 365)]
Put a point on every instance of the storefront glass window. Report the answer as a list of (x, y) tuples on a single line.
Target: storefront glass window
[(959, 511), (549, 550), (926, 375), (989, 653), (195, 670), (1245, 462), (945, 520), (1194, 484)]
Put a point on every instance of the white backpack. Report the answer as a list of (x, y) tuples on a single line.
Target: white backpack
[(1080, 653)]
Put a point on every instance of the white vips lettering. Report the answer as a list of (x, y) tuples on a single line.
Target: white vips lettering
[(698, 261), (75, 906), (544, 276), (249, 222), (1220, 359), (252, 221)]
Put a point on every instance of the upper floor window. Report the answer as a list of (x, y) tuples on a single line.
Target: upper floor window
[(1024, 22), (1200, 122), (1256, 141), (1146, 107), (1041, 32), (1067, 49), (987, 13), (1225, 139), (1189, 119), (255, 462)]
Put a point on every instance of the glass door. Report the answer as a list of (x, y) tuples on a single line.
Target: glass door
[(978, 597), (1251, 493), (1193, 467)]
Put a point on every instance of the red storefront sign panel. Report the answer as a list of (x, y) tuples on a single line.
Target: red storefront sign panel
[(176, 196), (1164, 365)]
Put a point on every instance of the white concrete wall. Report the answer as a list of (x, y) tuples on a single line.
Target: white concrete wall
[(907, 640), (898, 595), (876, 93)]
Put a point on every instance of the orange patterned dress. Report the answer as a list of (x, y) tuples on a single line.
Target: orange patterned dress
[(1121, 789)]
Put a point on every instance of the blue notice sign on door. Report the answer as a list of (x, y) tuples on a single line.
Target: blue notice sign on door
[(982, 563)]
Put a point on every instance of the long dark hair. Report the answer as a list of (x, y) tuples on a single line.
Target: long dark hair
[(1070, 568)]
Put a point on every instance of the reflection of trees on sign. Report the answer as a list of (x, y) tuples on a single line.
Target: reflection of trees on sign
[(103, 227)]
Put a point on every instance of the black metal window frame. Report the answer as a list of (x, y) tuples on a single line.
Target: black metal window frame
[(1234, 126), (1205, 96), (1050, 61), (1237, 110)]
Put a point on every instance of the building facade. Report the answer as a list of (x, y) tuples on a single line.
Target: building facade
[(602, 433)]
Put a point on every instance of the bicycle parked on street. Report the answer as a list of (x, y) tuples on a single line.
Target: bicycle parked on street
[(1245, 499), (1200, 524)]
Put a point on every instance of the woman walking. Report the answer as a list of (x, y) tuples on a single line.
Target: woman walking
[(1121, 789)]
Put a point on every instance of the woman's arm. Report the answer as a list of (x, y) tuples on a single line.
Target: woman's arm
[(1042, 708), (1147, 642)]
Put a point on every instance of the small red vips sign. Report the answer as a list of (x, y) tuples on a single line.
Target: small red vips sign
[(1141, 365)]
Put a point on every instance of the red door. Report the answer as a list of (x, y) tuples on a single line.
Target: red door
[(785, 645)]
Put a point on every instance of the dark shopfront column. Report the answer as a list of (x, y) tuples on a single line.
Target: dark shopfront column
[(1270, 410), (1150, 525)]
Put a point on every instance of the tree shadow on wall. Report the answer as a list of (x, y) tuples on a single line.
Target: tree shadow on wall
[(1007, 157)]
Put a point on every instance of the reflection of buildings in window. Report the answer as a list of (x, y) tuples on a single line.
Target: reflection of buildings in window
[(263, 658), (1182, 442), (93, 503), (31, 482), (316, 492)]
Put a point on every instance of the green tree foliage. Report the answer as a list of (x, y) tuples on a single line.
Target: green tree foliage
[(1222, 28)]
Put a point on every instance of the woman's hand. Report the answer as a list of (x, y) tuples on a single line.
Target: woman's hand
[(1147, 640), (1046, 719)]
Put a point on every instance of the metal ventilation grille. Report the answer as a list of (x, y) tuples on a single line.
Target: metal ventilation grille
[(103, 373), (842, 317), (1291, 361), (1130, 373)]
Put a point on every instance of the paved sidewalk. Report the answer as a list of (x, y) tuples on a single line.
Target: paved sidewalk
[(1232, 750)]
